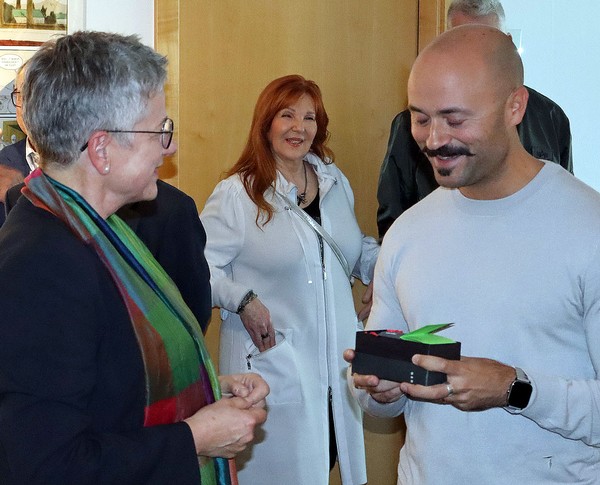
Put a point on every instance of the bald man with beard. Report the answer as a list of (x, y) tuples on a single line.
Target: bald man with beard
[(486, 251)]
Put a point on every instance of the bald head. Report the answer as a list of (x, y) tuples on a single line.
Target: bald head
[(473, 51)]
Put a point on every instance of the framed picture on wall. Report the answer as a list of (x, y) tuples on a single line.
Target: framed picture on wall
[(24, 26), (11, 59), (36, 21)]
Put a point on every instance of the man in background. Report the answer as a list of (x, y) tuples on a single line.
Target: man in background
[(17, 159), (406, 175)]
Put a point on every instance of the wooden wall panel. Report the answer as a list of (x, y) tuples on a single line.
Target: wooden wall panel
[(432, 20), (222, 53), (166, 26)]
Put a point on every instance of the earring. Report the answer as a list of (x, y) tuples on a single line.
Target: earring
[(106, 168)]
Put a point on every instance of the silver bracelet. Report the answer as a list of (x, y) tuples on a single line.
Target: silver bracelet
[(248, 297)]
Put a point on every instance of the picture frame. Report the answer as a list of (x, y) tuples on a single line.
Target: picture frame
[(11, 59), (22, 31), (29, 22)]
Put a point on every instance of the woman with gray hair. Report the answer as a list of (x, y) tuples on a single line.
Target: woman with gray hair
[(104, 375)]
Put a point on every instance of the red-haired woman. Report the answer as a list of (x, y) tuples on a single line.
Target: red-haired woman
[(282, 241)]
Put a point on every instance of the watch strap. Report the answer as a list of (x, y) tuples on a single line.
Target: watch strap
[(519, 391), (248, 297), (521, 376)]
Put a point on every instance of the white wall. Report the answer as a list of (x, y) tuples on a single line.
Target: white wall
[(560, 41), (122, 17)]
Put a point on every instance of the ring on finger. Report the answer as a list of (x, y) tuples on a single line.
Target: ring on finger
[(450, 389)]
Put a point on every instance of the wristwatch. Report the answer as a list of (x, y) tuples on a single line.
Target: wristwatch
[(248, 297), (519, 392)]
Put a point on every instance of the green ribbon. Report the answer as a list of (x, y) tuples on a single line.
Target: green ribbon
[(426, 335)]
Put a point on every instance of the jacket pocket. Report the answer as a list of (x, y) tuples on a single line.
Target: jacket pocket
[(278, 367)]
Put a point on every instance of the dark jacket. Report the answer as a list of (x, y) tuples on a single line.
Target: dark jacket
[(13, 156), (71, 374), (171, 229), (407, 176)]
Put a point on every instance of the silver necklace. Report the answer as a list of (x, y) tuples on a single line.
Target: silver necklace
[(301, 197)]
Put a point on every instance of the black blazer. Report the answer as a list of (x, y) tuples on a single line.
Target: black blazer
[(71, 373), (13, 156), (170, 226)]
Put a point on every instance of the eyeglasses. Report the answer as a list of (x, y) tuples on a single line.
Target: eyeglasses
[(166, 133), (15, 97)]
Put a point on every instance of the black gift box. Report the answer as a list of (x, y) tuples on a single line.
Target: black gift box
[(383, 354)]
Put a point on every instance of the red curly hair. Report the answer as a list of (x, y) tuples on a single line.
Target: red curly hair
[(256, 165)]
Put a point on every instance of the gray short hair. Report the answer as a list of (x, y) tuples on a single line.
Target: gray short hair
[(87, 81), (478, 8)]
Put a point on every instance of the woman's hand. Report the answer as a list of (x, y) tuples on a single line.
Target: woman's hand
[(225, 427), (251, 387), (257, 321)]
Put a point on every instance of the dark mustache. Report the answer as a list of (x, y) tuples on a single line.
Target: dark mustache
[(447, 151)]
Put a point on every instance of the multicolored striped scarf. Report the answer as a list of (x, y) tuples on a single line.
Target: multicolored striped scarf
[(180, 376)]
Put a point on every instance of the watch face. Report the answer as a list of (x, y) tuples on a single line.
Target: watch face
[(520, 392)]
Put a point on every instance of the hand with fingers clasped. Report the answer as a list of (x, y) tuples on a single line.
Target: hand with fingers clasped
[(226, 427), (250, 386), (257, 321)]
